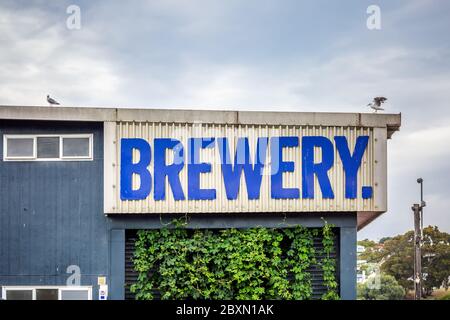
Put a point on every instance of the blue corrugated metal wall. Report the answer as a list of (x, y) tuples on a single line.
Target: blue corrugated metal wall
[(51, 213)]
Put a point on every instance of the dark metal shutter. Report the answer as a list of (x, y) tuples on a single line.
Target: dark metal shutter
[(316, 272), (130, 274)]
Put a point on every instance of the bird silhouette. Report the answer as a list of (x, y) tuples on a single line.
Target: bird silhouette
[(376, 103), (52, 101)]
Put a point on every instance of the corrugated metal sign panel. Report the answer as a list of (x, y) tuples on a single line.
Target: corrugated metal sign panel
[(368, 175)]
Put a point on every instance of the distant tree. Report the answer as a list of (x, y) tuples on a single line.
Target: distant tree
[(366, 243), (372, 252), (384, 239), (388, 289), (436, 259), (397, 259)]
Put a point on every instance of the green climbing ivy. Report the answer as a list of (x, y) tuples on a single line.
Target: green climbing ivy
[(329, 264), (243, 264)]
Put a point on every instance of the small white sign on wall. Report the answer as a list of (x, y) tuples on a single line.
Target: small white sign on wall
[(103, 292)]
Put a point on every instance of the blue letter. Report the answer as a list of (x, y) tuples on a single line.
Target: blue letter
[(171, 171), (127, 168), (351, 163), (279, 166), (309, 168), (195, 168), (253, 174)]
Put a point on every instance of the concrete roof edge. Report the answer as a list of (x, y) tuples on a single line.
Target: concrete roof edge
[(391, 121), (57, 113)]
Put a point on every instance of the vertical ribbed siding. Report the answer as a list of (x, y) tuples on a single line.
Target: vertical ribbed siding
[(179, 131), (51, 213)]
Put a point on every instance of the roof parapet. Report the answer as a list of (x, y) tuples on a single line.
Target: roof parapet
[(391, 121)]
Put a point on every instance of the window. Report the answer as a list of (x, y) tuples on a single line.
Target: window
[(74, 294), (18, 294), (76, 147), (67, 147), (47, 147), (20, 148), (47, 293)]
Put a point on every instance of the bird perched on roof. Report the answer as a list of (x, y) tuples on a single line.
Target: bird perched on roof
[(376, 103), (52, 101)]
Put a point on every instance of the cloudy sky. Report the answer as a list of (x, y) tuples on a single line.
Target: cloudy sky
[(251, 55)]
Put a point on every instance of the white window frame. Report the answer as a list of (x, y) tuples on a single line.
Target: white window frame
[(61, 157), (59, 288), (75, 288), (21, 136), (91, 146), (18, 288)]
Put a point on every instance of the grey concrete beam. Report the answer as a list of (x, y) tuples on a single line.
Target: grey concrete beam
[(299, 118), (377, 120), (177, 116), (380, 120), (221, 221), (57, 113)]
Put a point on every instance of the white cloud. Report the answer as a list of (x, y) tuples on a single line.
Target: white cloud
[(423, 153), (236, 86), (40, 58), (425, 150)]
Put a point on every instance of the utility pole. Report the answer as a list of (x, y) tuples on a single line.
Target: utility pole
[(418, 226)]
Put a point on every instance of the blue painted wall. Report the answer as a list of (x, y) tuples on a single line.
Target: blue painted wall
[(51, 213)]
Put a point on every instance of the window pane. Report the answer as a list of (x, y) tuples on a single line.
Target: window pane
[(48, 147), (75, 147), (20, 147), (19, 295), (46, 294), (74, 295)]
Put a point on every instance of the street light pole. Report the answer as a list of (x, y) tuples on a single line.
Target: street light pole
[(418, 227), (422, 205), (417, 253)]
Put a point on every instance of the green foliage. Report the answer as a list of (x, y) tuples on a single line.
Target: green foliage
[(329, 264), (384, 239), (366, 243), (396, 257), (250, 264), (445, 297), (389, 289), (436, 258)]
